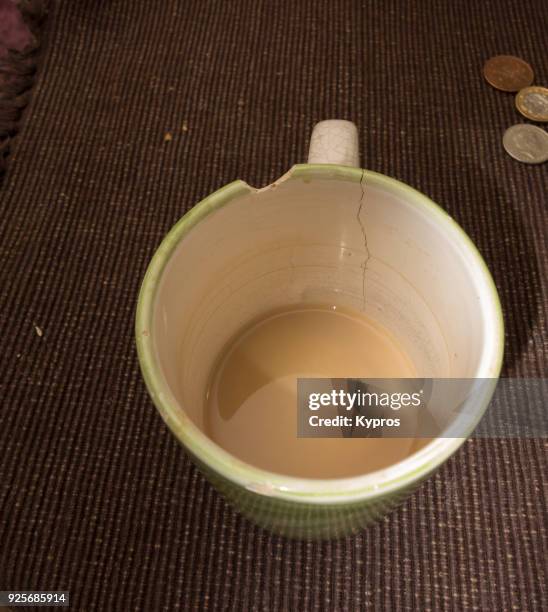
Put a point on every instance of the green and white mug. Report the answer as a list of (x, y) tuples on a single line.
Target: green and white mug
[(326, 232)]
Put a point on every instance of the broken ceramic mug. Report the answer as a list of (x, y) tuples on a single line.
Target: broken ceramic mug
[(325, 232)]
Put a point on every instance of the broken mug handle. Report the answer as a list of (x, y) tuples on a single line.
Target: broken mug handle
[(334, 141)]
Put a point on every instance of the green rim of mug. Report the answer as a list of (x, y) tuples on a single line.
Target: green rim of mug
[(325, 491)]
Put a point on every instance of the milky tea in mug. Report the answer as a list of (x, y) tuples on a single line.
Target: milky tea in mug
[(251, 401)]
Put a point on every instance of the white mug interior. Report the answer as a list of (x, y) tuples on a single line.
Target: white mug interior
[(318, 236)]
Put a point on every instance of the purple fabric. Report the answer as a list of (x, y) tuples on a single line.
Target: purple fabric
[(14, 34)]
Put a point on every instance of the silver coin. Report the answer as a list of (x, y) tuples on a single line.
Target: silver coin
[(526, 143)]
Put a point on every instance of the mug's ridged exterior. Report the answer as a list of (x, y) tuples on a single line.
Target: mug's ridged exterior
[(302, 520)]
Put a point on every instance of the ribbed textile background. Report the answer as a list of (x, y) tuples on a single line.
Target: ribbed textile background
[(96, 497)]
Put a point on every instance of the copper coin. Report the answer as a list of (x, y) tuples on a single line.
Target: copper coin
[(532, 102), (508, 73)]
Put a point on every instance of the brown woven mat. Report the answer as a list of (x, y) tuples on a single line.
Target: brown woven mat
[(96, 497)]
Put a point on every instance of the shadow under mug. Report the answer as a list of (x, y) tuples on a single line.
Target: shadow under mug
[(326, 232)]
